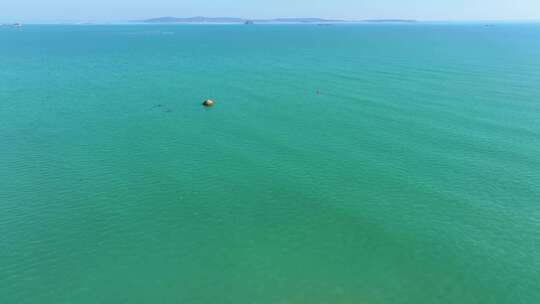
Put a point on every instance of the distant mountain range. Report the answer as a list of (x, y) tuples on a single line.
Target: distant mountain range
[(249, 21)]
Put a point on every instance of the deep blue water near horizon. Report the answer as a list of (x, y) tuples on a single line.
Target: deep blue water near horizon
[(412, 176)]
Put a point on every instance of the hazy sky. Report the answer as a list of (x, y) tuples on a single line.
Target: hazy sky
[(120, 10)]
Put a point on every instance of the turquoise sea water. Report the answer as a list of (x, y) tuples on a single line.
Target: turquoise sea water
[(412, 177)]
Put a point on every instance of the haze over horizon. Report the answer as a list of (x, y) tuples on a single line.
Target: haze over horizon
[(124, 10)]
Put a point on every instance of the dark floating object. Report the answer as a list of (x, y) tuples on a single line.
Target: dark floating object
[(208, 103), (161, 107), (318, 92)]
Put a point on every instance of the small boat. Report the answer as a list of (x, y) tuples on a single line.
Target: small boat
[(208, 103)]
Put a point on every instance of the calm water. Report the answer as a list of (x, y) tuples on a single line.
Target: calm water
[(413, 177)]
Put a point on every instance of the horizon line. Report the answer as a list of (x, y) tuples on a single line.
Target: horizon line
[(328, 20)]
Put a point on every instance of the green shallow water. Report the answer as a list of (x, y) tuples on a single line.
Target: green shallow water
[(413, 177)]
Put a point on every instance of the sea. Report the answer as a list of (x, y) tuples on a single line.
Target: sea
[(353, 163)]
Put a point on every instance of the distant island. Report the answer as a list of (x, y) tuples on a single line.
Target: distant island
[(391, 20), (233, 20), (194, 20), (11, 24)]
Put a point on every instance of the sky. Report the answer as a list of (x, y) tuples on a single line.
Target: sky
[(124, 10)]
